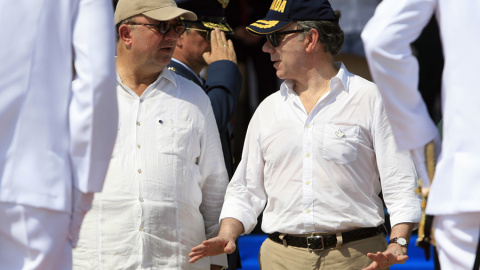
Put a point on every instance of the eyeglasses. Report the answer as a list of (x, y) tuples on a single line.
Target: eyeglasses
[(164, 27), (274, 37), (207, 35)]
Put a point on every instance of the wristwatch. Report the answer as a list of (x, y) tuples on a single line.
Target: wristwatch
[(400, 241)]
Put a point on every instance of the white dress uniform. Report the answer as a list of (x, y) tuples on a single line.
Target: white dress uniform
[(56, 136), (453, 198)]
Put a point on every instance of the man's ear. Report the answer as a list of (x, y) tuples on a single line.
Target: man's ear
[(311, 40), (125, 34), (181, 40)]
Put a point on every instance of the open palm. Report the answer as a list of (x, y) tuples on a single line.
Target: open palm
[(212, 247)]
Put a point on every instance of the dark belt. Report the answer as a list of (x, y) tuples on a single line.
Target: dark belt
[(321, 242)]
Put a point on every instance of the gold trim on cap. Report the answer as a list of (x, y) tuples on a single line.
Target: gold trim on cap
[(264, 24), (224, 3), (253, 32)]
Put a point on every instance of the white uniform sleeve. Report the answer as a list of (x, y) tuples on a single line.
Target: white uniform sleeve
[(387, 38), (93, 109)]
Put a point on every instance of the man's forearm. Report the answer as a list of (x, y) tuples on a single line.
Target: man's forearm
[(231, 228), (402, 230)]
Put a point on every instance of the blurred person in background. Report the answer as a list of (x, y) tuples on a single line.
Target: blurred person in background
[(453, 195), (57, 135)]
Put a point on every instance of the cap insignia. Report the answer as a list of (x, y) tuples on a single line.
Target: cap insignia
[(224, 3), (279, 5), (264, 24)]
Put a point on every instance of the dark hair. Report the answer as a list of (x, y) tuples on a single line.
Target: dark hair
[(330, 33)]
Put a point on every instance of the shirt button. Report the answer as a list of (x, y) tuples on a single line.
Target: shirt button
[(308, 126), (307, 154), (140, 229), (160, 121), (139, 170), (138, 146), (307, 211), (141, 199), (138, 124), (307, 183)]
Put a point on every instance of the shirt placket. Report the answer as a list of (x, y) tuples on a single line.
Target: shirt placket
[(140, 132), (308, 160), (308, 196)]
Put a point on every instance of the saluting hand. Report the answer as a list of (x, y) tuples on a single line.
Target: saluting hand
[(221, 48)]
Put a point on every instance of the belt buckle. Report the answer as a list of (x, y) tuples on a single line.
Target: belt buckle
[(315, 241)]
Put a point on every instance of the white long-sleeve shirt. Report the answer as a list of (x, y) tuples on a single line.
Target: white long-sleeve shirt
[(165, 185), (55, 135), (387, 39), (319, 172)]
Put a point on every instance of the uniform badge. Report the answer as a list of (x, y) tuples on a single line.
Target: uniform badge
[(224, 3)]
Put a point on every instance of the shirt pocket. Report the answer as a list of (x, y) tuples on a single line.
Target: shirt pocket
[(340, 143), (173, 137)]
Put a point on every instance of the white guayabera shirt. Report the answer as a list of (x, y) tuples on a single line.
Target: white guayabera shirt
[(319, 172), (165, 185)]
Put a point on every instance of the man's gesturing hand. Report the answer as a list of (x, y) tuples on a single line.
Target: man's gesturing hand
[(212, 247), (382, 260)]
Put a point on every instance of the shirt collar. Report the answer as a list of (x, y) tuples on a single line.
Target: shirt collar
[(165, 74), (342, 79), (338, 83)]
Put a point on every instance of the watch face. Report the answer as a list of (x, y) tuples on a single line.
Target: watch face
[(401, 241)]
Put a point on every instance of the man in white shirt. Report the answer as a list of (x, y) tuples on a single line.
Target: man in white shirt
[(56, 136), (166, 181), (313, 156), (454, 194)]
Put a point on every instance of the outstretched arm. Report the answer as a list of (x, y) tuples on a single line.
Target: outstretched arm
[(394, 253), (230, 230)]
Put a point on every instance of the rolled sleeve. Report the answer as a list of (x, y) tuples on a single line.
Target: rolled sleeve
[(246, 195), (397, 173)]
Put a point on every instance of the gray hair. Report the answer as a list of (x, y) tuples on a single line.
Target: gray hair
[(330, 33)]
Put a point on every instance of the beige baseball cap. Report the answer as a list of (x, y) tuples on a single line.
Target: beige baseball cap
[(160, 10)]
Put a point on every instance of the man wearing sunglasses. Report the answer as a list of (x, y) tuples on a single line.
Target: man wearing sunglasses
[(166, 180), (317, 155)]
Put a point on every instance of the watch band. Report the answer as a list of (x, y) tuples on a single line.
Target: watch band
[(400, 241)]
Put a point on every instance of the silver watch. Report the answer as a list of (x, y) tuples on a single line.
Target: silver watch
[(400, 241)]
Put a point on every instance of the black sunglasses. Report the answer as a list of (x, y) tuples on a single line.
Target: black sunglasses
[(164, 27), (275, 36)]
